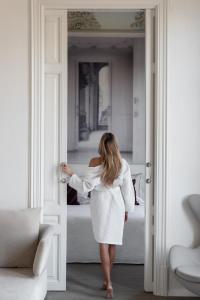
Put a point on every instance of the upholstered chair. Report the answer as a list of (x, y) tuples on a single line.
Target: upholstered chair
[(185, 262), (24, 251)]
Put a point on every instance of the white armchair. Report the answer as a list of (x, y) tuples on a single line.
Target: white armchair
[(185, 262), (23, 255)]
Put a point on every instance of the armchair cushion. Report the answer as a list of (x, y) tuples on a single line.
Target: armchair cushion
[(189, 273), (19, 230), (43, 249), (181, 256), (21, 284)]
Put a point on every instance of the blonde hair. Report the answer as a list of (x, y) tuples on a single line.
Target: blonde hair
[(111, 158)]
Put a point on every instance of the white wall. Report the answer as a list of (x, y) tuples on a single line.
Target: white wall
[(14, 104), (139, 101), (183, 120)]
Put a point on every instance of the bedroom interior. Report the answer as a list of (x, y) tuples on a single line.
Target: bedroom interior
[(106, 92)]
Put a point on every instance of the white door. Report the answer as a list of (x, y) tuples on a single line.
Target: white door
[(149, 207), (54, 138)]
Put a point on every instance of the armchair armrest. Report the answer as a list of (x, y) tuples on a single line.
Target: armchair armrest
[(180, 256), (43, 248)]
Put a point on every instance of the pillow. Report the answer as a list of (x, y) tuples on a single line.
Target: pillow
[(72, 198), (19, 231)]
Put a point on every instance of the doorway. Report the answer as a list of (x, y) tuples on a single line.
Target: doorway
[(106, 63), (48, 81)]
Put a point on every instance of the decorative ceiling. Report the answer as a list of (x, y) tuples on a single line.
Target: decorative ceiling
[(87, 21)]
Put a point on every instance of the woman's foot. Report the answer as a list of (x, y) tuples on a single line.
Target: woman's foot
[(109, 292), (104, 285)]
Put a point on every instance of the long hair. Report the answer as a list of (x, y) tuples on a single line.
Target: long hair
[(111, 158)]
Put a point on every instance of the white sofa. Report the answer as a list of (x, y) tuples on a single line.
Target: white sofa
[(24, 250)]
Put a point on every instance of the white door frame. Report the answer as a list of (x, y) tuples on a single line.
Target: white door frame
[(161, 215)]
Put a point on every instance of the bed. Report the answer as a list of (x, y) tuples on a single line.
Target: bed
[(81, 246)]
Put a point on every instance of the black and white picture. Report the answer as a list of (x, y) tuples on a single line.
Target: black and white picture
[(94, 102)]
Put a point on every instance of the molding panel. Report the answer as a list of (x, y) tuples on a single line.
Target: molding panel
[(53, 266), (52, 219), (52, 39), (161, 214), (51, 137)]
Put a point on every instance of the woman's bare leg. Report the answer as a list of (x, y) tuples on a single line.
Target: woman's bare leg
[(112, 251), (105, 261)]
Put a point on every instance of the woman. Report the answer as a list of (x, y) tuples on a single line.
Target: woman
[(112, 197)]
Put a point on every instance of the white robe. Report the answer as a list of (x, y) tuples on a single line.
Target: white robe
[(108, 204)]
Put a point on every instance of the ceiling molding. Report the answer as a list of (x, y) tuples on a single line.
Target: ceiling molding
[(87, 21), (103, 42)]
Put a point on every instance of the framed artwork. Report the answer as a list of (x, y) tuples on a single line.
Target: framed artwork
[(94, 103)]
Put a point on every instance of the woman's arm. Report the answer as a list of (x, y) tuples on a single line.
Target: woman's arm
[(84, 185), (128, 190), (67, 169)]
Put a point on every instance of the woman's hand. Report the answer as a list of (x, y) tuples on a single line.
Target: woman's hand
[(67, 169), (126, 216)]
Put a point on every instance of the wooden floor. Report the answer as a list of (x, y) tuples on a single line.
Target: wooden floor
[(84, 283)]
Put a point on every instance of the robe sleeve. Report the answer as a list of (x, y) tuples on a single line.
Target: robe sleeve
[(86, 184), (128, 190)]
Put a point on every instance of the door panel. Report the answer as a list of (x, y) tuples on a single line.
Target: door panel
[(54, 139), (149, 207)]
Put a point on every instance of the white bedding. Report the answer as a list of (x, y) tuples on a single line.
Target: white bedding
[(81, 246)]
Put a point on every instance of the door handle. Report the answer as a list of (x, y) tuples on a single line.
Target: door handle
[(148, 165), (62, 179), (148, 180)]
